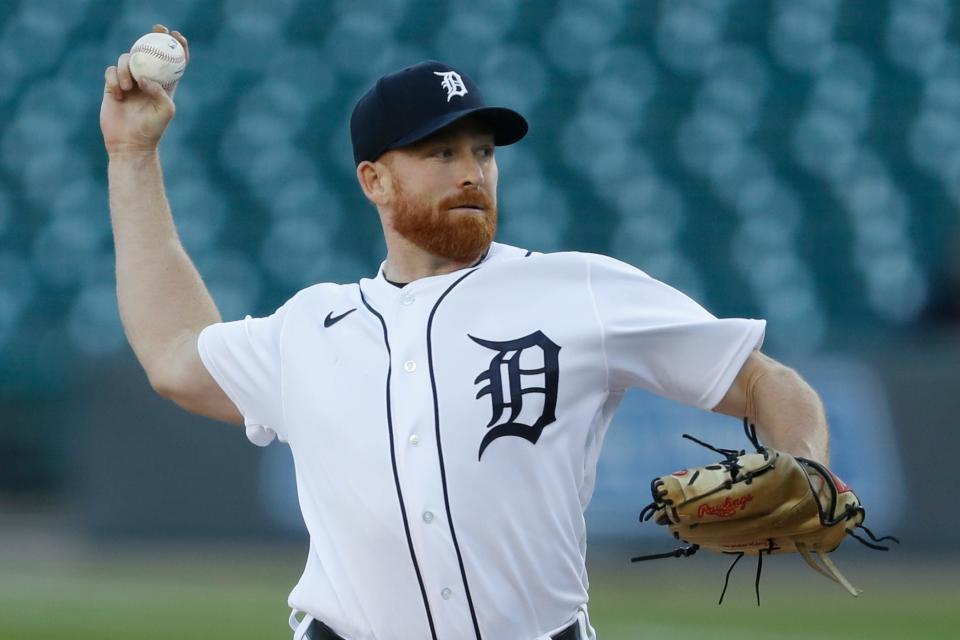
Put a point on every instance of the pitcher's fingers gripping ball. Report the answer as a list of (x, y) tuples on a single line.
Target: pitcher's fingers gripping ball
[(159, 57), (759, 503)]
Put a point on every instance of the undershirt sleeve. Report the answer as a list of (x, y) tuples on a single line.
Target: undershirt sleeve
[(244, 358), (658, 339)]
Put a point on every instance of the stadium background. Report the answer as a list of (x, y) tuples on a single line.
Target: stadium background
[(795, 160)]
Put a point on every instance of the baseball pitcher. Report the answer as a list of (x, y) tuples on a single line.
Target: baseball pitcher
[(447, 413)]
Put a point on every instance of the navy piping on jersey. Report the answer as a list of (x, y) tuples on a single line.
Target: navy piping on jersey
[(396, 474), (443, 473)]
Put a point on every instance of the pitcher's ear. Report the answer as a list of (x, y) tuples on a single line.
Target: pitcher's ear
[(374, 180)]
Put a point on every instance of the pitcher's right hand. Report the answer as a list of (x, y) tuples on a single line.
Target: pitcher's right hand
[(134, 115)]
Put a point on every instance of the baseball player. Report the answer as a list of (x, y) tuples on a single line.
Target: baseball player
[(447, 413)]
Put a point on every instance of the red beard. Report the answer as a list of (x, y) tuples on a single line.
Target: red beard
[(456, 236)]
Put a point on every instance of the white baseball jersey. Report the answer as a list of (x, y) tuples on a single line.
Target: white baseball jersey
[(446, 434)]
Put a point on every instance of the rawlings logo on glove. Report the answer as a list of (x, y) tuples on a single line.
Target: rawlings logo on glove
[(726, 508), (759, 503)]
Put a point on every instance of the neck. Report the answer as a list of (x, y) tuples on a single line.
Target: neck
[(407, 262)]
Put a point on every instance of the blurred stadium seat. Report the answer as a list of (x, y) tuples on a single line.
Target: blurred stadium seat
[(687, 140), (772, 158)]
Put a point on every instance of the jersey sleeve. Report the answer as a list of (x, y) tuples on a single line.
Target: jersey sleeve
[(658, 339), (244, 359)]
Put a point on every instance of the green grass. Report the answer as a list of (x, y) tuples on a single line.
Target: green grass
[(242, 596), (679, 601), (174, 597)]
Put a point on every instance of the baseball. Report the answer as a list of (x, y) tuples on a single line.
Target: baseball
[(158, 56)]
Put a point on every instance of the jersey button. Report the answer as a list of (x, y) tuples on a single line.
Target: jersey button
[(446, 593), (414, 439), (409, 366), (407, 300), (428, 516)]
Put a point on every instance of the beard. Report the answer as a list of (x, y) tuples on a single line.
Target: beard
[(456, 236)]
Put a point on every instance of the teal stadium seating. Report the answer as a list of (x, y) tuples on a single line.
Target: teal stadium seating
[(797, 160)]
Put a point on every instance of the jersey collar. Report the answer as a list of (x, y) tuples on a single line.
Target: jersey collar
[(400, 285)]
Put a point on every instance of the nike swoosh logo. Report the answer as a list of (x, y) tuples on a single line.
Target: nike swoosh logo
[(331, 320)]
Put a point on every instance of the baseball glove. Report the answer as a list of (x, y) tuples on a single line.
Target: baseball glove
[(759, 503)]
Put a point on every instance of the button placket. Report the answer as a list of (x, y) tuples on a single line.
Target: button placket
[(418, 462)]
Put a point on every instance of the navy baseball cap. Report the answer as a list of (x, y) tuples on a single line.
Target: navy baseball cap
[(406, 106)]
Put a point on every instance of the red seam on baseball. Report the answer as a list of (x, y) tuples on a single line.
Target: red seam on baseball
[(163, 55)]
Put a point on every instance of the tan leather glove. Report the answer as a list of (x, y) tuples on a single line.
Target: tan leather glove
[(759, 503)]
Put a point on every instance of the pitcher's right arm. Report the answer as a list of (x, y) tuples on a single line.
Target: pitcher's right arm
[(162, 299)]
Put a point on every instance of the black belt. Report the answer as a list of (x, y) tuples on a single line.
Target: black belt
[(320, 631)]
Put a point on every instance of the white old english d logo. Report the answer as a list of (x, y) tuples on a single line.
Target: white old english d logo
[(452, 82)]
